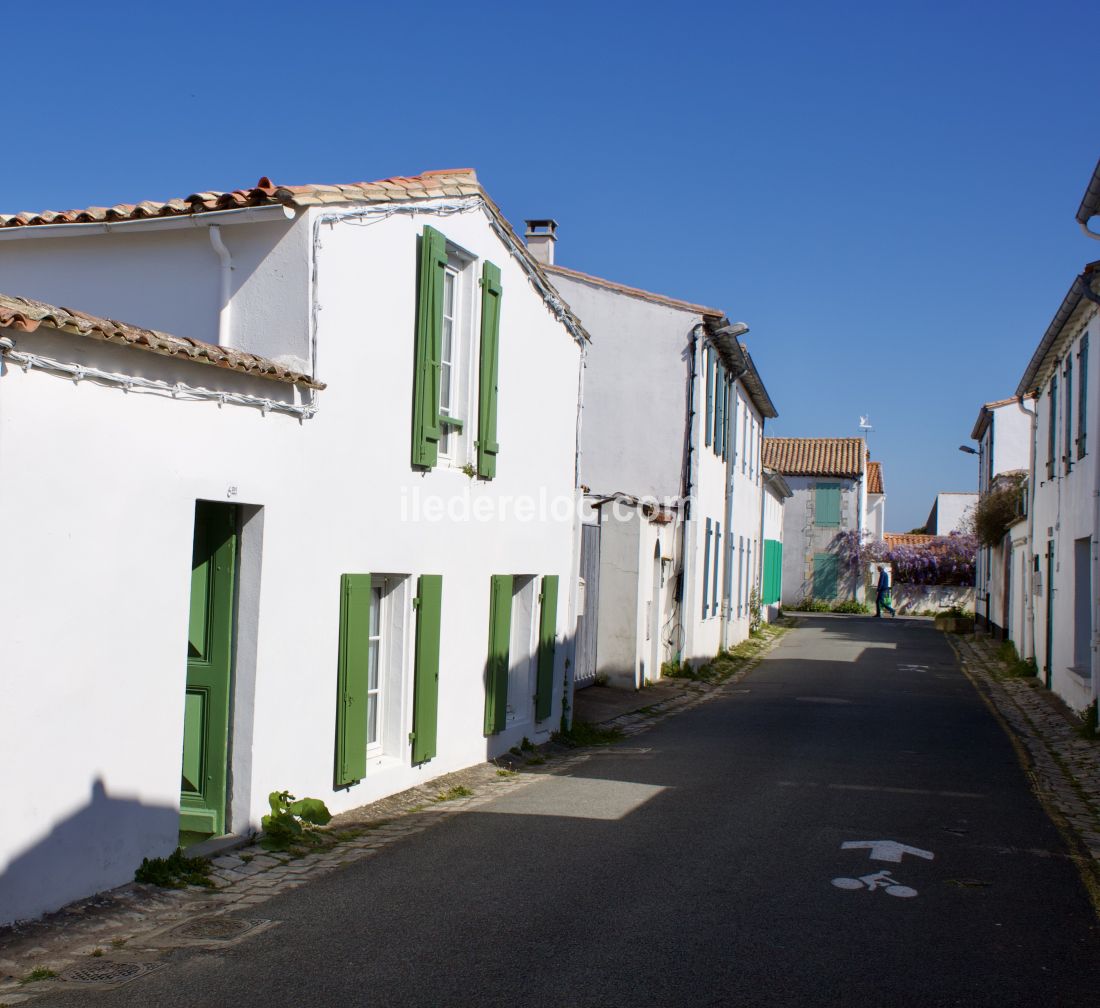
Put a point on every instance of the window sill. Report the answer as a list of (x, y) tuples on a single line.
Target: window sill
[(1082, 673)]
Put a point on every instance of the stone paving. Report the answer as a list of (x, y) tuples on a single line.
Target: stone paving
[(114, 937), (1064, 766)]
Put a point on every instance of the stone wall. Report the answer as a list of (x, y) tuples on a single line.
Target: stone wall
[(916, 598)]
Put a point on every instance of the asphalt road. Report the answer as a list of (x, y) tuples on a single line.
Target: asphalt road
[(700, 872)]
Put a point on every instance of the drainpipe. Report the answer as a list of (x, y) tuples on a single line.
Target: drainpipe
[(225, 315), (1029, 622)]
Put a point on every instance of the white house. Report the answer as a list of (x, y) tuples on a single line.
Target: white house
[(1003, 433), (827, 479), (673, 415), (344, 486), (876, 502), (951, 511), (1064, 511), (776, 494)]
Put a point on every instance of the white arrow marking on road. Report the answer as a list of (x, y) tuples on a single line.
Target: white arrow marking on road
[(886, 850)]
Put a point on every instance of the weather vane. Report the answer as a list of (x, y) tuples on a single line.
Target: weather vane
[(865, 424)]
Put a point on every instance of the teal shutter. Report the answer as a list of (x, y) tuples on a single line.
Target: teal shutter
[(825, 570), (720, 410), (496, 664), (489, 371), (1082, 394), (716, 601), (708, 429), (351, 699), (429, 347), (429, 609), (548, 630), (706, 571), (773, 571), (827, 504)]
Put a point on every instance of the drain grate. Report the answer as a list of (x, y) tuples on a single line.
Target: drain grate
[(222, 929), (108, 972)]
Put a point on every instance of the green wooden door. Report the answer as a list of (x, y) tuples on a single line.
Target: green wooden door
[(209, 665), (825, 576)]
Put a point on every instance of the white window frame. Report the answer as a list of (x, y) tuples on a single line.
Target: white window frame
[(454, 438)]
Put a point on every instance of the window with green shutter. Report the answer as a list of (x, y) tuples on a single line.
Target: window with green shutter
[(706, 571), (708, 427), (431, 266), (548, 630), (496, 662), (720, 410), (827, 504), (428, 605), (488, 372), (352, 679)]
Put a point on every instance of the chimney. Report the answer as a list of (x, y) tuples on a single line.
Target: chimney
[(541, 236)]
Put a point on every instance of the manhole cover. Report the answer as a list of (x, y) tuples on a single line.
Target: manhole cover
[(108, 972), (216, 928)]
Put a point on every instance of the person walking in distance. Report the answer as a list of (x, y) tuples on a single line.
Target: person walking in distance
[(882, 596)]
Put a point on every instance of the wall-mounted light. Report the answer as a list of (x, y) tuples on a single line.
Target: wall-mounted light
[(967, 449)]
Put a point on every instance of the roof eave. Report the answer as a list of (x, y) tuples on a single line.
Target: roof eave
[(1090, 202)]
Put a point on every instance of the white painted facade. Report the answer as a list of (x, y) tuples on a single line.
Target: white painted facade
[(876, 516), (804, 538), (776, 494), (1065, 503), (950, 512), (99, 498), (648, 457), (1003, 433)]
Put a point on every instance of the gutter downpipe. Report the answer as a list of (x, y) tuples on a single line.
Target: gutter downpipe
[(1029, 622), (688, 490), (225, 312)]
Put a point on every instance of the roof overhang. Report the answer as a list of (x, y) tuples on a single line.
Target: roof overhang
[(735, 355), (1042, 359), (1090, 203), (775, 482)]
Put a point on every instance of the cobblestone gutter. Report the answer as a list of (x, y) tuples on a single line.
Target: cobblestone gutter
[(1063, 766), (118, 936)]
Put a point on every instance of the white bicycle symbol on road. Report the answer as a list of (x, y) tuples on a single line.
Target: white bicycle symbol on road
[(877, 880)]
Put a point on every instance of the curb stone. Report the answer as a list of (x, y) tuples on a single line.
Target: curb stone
[(127, 924), (1064, 768)]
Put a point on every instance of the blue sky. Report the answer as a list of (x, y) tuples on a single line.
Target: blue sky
[(885, 193)]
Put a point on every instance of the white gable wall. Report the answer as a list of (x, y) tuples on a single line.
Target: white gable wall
[(94, 648)]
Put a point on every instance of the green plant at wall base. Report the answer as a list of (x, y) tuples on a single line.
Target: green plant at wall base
[(674, 669), (174, 871), (813, 605), (41, 973), (469, 470), (756, 619), (1087, 727), (584, 734), (852, 606), (458, 791), (293, 821)]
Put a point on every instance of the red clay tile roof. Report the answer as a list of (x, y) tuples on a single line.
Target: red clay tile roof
[(452, 182), (25, 315), (874, 477), (893, 539), (815, 456), (429, 185)]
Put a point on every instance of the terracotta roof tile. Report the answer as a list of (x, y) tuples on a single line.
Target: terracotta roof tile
[(815, 456), (893, 539), (25, 315), (874, 477), (637, 292), (429, 185)]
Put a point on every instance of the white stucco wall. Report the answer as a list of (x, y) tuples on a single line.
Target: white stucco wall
[(802, 538), (952, 509), (876, 516), (635, 390), (1064, 511), (97, 579)]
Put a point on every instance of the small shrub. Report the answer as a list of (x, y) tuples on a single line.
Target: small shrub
[(41, 973), (756, 617), (810, 604), (1087, 728), (852, 606), (676, 670), (505, 773), (526, 745), (293, 821), (174, 871), (458, 791), (998, 509), (584, 734)]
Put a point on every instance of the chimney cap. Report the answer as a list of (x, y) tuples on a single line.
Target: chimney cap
[(542, 226)]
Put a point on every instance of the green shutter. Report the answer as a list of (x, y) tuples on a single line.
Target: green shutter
[(429, 605), (719, 409), (429, 347), (489, 372), (351, 698), (548, 630), (496, 664), (827, 504), (709, 428), (773, 571), (825, 571), (706, 571)]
